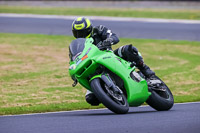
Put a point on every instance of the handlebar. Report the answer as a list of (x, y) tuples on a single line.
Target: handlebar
[(102, 47)]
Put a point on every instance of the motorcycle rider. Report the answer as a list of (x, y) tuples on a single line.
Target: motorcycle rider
[(83, 28)]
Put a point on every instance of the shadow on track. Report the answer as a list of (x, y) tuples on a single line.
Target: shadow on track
[(104, 113)]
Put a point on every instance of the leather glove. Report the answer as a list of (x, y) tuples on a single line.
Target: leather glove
[(108, 42), (105, 44)]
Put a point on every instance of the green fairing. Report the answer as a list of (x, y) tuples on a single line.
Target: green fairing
[(137, 92)]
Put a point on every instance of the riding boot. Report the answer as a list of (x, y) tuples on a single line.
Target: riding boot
[(146, 71)]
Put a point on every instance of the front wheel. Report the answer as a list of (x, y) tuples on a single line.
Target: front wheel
[(161, 100), (115, 102)]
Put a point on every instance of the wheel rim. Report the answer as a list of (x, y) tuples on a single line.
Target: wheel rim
[(118, 98)]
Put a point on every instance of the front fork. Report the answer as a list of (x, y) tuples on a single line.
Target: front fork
[(109, 82)]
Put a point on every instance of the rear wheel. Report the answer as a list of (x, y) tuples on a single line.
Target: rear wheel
[(114, 101), (160, 99)]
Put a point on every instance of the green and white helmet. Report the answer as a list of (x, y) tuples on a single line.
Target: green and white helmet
[(82, 27)]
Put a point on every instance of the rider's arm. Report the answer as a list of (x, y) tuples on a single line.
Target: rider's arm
[(107, 34)]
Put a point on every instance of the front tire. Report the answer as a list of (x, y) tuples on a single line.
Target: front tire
[(100, 92)]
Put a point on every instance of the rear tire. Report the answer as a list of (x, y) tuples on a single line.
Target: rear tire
[(161, 101), (100, 92)]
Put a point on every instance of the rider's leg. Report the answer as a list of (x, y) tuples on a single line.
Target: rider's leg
[(130, 53), (91, 98)]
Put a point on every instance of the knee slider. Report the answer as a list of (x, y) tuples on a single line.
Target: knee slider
[(91, 99)]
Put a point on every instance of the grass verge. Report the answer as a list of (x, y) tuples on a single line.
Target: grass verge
[(123, 12), (34, 71)]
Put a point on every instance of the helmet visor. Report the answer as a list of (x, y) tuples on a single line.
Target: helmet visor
[(82, 33)]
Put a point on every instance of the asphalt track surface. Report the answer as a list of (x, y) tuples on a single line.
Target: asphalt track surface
[(124, 29), (182, 118)]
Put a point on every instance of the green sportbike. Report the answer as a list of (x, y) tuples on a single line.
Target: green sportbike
[(114, 81)]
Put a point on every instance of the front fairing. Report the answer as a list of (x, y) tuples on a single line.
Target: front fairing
[(82, 65)]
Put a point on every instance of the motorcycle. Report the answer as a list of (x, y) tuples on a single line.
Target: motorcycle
[(114, 81)]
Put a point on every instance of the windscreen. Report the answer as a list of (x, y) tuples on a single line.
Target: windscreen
[(76, 47)]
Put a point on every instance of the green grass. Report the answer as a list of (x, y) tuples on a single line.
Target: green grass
[(123, 12), (34, 71)]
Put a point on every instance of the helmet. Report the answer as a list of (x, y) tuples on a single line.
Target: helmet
[(82, 27)]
